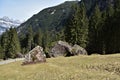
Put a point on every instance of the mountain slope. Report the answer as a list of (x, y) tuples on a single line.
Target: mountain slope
[(52, 18), (6, 23)]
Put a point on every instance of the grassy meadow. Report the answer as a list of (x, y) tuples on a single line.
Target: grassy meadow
[(94, 67)]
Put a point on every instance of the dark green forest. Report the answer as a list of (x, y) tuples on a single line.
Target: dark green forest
[(92, 24)]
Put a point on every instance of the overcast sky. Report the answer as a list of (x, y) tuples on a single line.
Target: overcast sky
[(24, 9)]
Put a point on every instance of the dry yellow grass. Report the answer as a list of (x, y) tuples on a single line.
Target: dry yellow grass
[(95, 67)]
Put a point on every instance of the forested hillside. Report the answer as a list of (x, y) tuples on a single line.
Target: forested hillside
[(92, 24), (52, 18)]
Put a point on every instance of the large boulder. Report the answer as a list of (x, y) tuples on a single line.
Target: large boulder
[(62, 48), (77, 50), (19, 55), (35, 55)]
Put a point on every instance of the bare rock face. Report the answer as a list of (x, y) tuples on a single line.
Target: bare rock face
[(35, 55), (62, 48)]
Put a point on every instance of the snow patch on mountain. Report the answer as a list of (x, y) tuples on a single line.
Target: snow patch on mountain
[(53, 12), (6, 23)]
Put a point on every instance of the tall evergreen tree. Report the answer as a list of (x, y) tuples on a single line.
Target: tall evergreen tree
[(107, 29), (23, 43), (46, 39), (83, 23), (110, 9), (71, 26), (13, 46), (77, 29), (38, 38), (1, 53), (117, 5), (61, 35), (116, 27), (30, 39), (4, 44), (94, 28)]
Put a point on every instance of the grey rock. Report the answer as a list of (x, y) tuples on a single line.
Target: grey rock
[(58, 50), (35, 55), (62, 48), (19, 55), (77, 50)]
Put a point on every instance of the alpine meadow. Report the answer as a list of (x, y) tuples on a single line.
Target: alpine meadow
[(75, 40)]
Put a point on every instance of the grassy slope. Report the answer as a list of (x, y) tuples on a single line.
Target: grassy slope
[(93, 67)]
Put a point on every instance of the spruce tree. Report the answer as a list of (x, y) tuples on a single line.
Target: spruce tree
[(82, 24), (13, 47), (116, 27), (71, 26), (29, 39), (117, 5), (1, 53), (60, 35), (4, 44), (77, 28), (94, 28), (110, 9), (23, 43), (107, 23), (46, 39), (38, 38)]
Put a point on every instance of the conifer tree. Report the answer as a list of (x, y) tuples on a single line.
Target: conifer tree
[(115, 27), (60, 35), (4, 44), (1, 53), (83, 23), (117, 5), (46, 39), (13, 46), (77, 29), (38, 38), (23, 43), (94, 28), (107, 22), (71, 27), (30, 39), (109, 10)]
